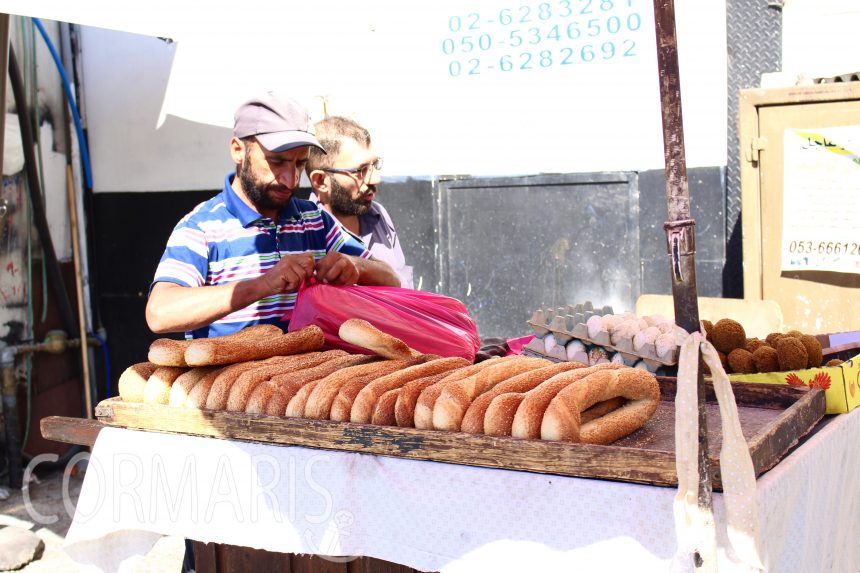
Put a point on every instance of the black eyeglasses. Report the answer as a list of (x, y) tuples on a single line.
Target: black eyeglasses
[(362, 172)]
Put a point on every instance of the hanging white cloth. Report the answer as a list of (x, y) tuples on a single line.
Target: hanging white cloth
[(695, 526)]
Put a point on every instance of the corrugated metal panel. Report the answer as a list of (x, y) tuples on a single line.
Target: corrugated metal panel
[(754, 43)]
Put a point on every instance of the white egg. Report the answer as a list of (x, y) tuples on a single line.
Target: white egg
[(594, 325), (549, 343)]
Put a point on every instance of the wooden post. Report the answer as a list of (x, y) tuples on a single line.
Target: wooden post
[(680, 229)]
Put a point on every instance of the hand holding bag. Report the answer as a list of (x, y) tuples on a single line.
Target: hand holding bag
[(428, 322)]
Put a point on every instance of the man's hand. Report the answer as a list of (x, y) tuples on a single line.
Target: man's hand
[(290, 272), (337, 269)]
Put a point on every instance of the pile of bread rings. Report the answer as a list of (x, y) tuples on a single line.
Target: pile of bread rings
[(261, 370)]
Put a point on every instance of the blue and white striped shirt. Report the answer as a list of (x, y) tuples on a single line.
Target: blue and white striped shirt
[(223, 240)]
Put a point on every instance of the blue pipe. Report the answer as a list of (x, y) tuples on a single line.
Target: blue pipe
[(108, 386), (67, 86)]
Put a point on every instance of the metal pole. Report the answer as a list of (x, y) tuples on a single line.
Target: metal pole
[(680, 229), (79, 286), (4, 61)]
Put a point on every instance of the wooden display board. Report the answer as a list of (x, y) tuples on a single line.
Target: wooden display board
[(813, 301), (773, 419)]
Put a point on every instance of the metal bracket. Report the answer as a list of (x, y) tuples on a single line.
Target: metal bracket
[(681, 242), (757, 144)]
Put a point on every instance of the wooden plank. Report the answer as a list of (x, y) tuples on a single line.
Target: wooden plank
[(219, 557), (205, 557), (373, 565), (609, 462), (785, 431), (773, 418), (237, 558), (70, 430), (753, 395), (844, 91), (314, 564)]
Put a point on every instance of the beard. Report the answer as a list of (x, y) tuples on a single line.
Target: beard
[(342, 203), (261, 195)]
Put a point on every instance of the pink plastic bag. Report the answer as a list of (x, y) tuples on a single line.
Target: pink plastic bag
[(430, 323), (515, 345)]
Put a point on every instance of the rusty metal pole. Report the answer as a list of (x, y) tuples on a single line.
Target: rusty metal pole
[(680, 229), (4, 61)]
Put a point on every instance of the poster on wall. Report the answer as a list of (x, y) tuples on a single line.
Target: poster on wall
[(821, 199)]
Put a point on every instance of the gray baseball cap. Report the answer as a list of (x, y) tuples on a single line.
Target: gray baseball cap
[(278, 122)]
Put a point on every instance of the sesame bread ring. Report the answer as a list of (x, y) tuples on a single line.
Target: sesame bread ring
[(383, 410), (473, 419), (157, 389), (456, 397), (322, 397), (182, 386), (132, 381), (341, 408), (365, 401), (422, 409), (168, 351), (290, 383), (363, 334), (171, 352), (563, 417), (528, 418), (243, 347), (404, 408), (240, 391)]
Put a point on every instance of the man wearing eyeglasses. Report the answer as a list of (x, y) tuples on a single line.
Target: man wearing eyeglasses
[(345, 181), (239, 258)]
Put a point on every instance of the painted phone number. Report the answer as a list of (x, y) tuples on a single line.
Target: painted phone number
[(824, 248), (524, 61), (527, 14), (534, 36)]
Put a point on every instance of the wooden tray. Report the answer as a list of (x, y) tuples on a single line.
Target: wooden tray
[(773, 419)]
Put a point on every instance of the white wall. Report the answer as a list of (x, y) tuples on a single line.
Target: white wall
[(125, 78), (386, 65), (820, 38), (52, 141)]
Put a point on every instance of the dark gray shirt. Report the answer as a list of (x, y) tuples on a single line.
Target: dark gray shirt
[(376, 232)]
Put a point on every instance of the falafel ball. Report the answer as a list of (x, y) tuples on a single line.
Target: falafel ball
[(728, 334), (753, 343), (791, 353), (766, 359), (741, 361), (813, 350), (833, 362), (794, 333), (772, 338), (709, 329)]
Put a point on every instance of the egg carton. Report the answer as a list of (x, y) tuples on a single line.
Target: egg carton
[(566, 327), (559, 320), (592, 355)]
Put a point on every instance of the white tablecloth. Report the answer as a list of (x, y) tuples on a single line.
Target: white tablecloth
[(444, 517)]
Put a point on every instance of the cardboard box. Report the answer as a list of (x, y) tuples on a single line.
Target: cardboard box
[(841, 383)]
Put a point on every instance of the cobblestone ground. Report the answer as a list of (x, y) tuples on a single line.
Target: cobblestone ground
[(44, 500)]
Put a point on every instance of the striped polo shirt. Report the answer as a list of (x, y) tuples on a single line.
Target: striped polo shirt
[(223, 240)]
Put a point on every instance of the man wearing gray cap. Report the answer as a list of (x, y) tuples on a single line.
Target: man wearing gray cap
[(239, 258)]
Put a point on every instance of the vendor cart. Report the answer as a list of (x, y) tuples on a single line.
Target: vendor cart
[(429, 515), (424, 500)]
